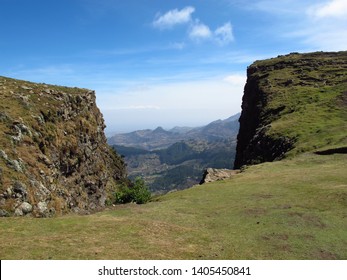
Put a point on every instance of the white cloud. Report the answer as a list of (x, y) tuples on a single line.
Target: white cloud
[(199, 31), (333, 8), (224, 34), (173, 17), (326, 26), (316, 25)]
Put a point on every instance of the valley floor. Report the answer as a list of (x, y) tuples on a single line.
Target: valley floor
[(292, 209)]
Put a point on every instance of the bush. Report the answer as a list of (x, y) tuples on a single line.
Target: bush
[(137, 192)]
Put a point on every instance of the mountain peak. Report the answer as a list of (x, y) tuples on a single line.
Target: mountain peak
[(160, 138), (159, 129)]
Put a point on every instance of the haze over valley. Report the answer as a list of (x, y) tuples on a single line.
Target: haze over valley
[(177, 158)]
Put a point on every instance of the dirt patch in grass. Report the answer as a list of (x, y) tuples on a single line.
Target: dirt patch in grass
[(325, 255), (275, 236), (283, 206), (262, 196), (308, 219), (283, 248), (314, 221), (255, 212), (305, 236), (278, 242)]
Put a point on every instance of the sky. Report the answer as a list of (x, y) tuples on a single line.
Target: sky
[(160, 63)]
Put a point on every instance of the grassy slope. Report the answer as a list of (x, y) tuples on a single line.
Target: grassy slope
[(292, 209), (315, 99)]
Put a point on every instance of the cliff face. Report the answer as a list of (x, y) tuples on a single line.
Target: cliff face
[(53, 152), (292, 104)]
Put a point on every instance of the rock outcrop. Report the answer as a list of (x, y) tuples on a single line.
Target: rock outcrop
[(286, 103), (54, 158), (214, 174)]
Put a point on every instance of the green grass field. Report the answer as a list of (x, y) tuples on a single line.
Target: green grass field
[(291, 209)]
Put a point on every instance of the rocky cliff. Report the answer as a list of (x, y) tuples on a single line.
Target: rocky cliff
[(293, 104), (54, 158)]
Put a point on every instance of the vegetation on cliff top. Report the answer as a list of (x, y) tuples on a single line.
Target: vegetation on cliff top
[(315, 100), (295, 103)]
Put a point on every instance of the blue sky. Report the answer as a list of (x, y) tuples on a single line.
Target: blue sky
[(157, 62)]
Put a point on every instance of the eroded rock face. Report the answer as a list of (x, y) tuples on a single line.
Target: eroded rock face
[(53, 151), (289, 85)]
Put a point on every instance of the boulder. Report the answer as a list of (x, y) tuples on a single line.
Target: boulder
[(42, 208), (213, 174), (26, 208)]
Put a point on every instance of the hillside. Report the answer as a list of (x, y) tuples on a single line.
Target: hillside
[(179, 166), (160, 138), (54, 158), (293, 104), (176, 159), (291, 205)]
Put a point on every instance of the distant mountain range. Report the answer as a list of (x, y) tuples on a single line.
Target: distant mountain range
[(160, 138), (176, 159)]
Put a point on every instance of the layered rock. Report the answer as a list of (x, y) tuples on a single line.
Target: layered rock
[(53, 152), (285, 104)]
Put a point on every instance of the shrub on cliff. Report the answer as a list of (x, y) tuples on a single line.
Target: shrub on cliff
[(137, 192)]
